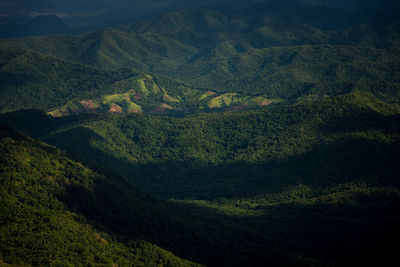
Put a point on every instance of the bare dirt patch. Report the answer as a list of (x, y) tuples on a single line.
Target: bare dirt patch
[(164, 105), (87, 104), (265, 103), (115, 109)]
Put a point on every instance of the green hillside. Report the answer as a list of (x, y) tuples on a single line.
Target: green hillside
[(147, 95), (45, 200), (34, 80)]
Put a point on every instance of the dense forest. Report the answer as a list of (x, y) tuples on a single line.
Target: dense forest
[(257, 170), (42, 221), (264, 133)]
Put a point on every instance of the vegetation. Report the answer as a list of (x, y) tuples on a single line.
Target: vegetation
[(148, 96), (271, 54), (263, 136), (31, 79), (193, 157), (287, 184), (44, 199)]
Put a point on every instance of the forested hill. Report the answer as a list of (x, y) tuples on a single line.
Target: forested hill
[(51, 208), (35, 80), (278, 55)]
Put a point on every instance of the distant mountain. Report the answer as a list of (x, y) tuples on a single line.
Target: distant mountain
[(88, 15), (263, 55), (39, 25), (82, 16)]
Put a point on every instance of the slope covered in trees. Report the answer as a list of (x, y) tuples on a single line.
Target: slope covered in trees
[(31, 79), (35, 80), (318, 180), (178, 157), (57, 211), (46, 199)]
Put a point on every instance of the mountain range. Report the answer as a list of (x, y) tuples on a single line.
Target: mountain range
[(251, 55), (201, 134)]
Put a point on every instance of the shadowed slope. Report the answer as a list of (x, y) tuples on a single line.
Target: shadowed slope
[(48, 203)]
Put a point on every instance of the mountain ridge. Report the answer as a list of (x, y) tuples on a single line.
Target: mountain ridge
[(279, 59)]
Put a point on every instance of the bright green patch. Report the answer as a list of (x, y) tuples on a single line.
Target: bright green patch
[(142, 87), (224, 100)]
